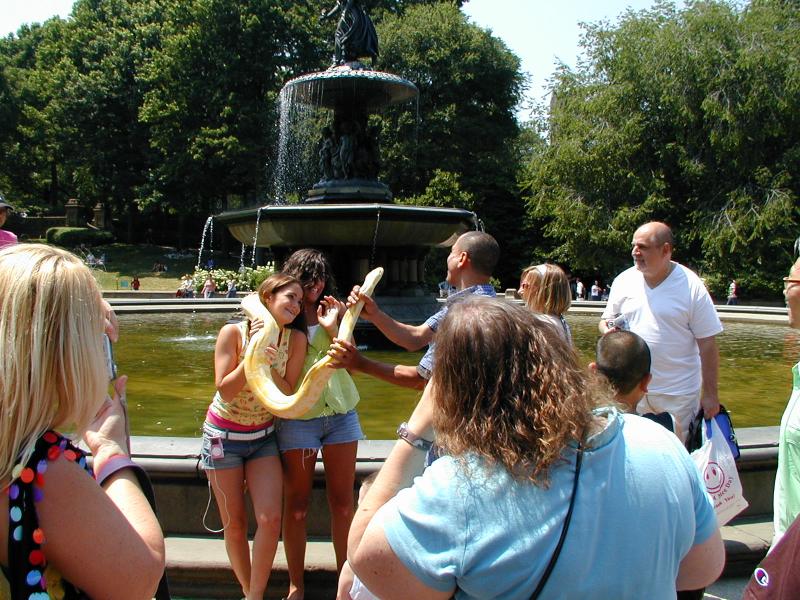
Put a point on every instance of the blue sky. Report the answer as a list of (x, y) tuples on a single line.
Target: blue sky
[(540, 32)]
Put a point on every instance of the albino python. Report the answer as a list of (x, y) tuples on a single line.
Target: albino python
[(259, 374)]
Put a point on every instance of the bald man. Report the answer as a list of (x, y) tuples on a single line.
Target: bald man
[(668, 305)]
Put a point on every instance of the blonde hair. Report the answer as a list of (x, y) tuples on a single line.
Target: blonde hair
[(547, 290), (53, 368), (509, 390)]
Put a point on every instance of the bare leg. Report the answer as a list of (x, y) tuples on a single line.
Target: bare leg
[(340, 474), (264, 482), (298, 477), (228, 486)]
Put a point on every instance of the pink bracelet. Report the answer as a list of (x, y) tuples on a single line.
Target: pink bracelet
[(114, 464)]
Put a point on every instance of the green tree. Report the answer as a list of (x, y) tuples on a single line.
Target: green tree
[(29, 148), (469, 85), (684, 116), (211, 93)]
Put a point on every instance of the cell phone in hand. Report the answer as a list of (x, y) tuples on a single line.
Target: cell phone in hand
[(108, 350)]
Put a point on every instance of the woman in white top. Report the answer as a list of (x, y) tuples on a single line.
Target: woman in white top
[(545, 289)]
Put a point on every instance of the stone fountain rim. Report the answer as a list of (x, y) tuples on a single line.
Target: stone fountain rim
[(348, 73), (355, 210)]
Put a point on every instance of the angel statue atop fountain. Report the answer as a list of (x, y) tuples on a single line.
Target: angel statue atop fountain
[(355, 34)]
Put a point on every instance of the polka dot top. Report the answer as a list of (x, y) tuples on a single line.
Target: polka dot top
[(29, 576)]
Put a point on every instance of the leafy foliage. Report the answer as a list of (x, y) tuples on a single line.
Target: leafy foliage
[(69, 237), (461, 140), (247, 279), (689, 117)]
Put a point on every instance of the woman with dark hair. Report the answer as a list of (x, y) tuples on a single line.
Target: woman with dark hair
[(541, 478), (331, 426)]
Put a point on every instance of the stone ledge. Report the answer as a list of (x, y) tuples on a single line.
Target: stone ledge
[(198, 567)]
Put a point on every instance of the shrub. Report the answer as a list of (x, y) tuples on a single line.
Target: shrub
[(247, 279), (68, 237)]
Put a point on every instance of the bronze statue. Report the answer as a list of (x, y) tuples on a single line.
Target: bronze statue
[(326, 152), (355, 34)]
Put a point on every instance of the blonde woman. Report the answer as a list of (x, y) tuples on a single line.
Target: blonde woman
[(545, 289), (66, 534)]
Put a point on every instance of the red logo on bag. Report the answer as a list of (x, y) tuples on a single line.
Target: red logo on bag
[(714, 477)]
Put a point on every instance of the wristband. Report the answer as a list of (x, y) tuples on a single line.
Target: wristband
[(411, 438), (118, 462)]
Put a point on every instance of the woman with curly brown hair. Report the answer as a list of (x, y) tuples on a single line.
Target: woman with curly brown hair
[(545, 289), (542, 478)]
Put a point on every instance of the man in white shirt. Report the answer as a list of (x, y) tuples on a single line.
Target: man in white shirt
[(579, 290), (667, 305)]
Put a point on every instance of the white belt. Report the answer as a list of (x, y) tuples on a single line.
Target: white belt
[(237, 436)]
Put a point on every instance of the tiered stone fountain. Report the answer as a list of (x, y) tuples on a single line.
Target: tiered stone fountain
[(348, 213)]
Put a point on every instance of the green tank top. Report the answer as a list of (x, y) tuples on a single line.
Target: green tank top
[(340, 394)]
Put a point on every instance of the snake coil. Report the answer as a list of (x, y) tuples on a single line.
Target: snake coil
[(259, 374)]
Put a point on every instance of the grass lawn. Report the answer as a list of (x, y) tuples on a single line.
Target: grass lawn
[(125, 261)]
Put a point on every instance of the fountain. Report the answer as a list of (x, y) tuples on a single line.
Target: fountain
[(348, 213)]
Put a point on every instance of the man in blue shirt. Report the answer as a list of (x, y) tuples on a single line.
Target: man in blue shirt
[(469, 267)]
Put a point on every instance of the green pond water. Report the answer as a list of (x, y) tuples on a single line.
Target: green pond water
[(169, 359)]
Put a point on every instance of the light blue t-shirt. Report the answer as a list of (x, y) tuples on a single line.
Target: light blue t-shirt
[(639, 508)]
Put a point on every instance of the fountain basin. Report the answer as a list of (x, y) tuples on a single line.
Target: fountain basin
[(339, 86), (348, 225)]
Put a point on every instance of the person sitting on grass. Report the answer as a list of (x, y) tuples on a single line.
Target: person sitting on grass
[(624, 359)]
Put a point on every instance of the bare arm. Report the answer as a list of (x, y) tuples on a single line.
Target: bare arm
[(229, 377), (294, 366), (329, 314), (410, 337), (709, 366), (106, 540), (702, 565), (348, 357), (368, 552)]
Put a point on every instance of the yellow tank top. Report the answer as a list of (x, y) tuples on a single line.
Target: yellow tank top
[(245, 409)]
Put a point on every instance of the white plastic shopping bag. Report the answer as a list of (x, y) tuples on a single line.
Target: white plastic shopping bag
[(718, 468)]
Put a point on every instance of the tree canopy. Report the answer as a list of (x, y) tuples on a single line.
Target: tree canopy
[(462, 146), (690, 117)]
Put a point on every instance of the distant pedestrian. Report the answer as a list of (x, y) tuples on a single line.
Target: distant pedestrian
[(579, 289), (596, 290), (209, 287), (733, 293), (6, 237), (188, 288), (135, 283), (231, 289)]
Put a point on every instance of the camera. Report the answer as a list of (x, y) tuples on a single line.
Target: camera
[(108, 351), (619, 321)]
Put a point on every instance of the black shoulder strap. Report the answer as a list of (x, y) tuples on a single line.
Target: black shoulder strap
[(564, 529)]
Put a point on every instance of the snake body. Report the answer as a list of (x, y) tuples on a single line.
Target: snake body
[(259, 374)]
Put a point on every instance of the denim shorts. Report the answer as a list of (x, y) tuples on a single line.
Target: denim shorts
[(236, 452), (296, 434)]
